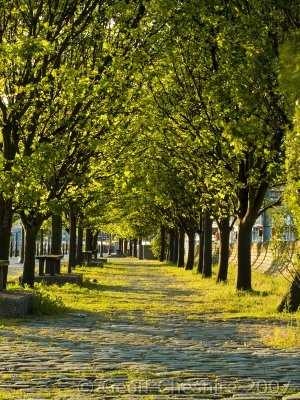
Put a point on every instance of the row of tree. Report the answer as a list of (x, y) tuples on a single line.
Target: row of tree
[(66, 109), (133, 114)]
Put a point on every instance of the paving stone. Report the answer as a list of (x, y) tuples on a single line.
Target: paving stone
[(185, 358)]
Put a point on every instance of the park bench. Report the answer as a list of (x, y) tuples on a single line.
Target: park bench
[(52, 264), (3, 273), (87, 255)]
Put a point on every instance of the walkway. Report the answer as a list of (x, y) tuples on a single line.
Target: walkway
[(113, 356)]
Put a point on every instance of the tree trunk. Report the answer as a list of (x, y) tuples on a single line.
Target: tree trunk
[(135, 242), (162, 255), (291, 300), (224, 226), (56, 235), (22, 247), (79, 255), (72, 239), (95, 244), (180, 261), (201, 244), (31, 230), (250, 202), (191, 251), (140, 247), (120, 246), (171, 245), (244, 256), (88, 240), (109, 245), (126, 247), (101, 247), (175, 252), (41, 242), (6, 214), (207, 257)]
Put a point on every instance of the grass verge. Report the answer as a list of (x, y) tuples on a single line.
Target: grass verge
[(150, 289)]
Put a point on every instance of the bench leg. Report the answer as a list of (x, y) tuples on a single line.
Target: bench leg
[(47, 267), (41, 267), (57, 266), (52, 264)]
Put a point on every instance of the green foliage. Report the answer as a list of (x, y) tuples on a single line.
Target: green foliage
[(156, 246), (45, 303), (287, 217), (289, 67)]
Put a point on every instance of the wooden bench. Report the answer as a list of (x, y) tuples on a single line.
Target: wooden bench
[(87, 255), (3, 273), (52, 264)]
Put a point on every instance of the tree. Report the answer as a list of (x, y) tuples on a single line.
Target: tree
[(223, 102), (49, 50), (34, 41), (290, 210)]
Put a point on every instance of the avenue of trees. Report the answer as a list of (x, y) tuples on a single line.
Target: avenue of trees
[(138, 116)]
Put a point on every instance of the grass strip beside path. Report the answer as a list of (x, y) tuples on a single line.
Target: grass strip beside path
[(146, 289)]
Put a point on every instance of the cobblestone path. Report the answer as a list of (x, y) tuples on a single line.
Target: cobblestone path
[(85, 356)]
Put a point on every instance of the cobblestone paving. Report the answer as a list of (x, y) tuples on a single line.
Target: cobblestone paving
[(162, 357)]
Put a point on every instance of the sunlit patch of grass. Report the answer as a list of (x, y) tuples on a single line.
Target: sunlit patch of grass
[(134, 289), (154, 288), (223, 298), (283, 337)]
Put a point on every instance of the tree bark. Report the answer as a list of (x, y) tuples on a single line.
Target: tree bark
[(22, 247), (180, 261), (88, 240), (175, 252), (42, 242), (201, 244), (244, 256), (6, 214), (126, 247), (191, 251), (31, 228), (291, 300), (162, 255), (95, 244), (140, 247), (56, 235), (224, 226), (72, 239), (120, 246), (109, 245), (171, 245), (207, 257), (101, 246), (135, 242), (79, 256), (250, 202)]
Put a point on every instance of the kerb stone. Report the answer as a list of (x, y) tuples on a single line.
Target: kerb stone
[(15, 304)]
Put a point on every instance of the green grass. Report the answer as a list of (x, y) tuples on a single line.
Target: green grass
[(151, 289), (283, 337)]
